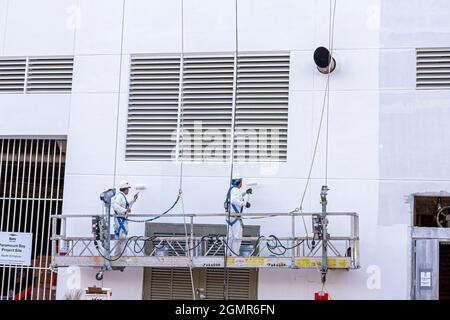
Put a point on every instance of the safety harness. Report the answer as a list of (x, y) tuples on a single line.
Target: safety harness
[(121, 221), (227, 204)]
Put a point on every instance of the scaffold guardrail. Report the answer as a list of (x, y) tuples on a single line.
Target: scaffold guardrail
[(206, 251)]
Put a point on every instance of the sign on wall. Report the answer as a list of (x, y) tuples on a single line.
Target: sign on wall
[(425, 279), (15, 248), (94, 293)]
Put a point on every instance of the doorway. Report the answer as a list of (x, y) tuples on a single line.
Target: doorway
[(444, 271), (31, 191)]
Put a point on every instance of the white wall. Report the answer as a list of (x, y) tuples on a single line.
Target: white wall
[(123, 285), (386, 138), (34, 114)]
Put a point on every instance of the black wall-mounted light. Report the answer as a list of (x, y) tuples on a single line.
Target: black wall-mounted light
[(324, 61)]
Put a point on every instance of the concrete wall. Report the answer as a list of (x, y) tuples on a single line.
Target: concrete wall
[(386, 138)]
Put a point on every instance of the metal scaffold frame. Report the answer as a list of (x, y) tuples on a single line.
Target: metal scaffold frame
[(296, 252)]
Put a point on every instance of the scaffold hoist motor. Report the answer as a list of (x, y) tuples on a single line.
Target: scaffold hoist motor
[(101, 231)]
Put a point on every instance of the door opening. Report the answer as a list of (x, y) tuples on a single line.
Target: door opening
[(444, 271), (31, 190)]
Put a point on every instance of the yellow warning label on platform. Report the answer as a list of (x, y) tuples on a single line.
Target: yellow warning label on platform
[(307, 263), (254, 261), (316, 262), (250, 261), (332, 263)]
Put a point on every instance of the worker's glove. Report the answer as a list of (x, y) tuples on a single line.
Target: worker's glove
[(249, 191), (247, 204)]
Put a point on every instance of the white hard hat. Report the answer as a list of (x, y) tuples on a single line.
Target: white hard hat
[(124, 184), (236, 176)]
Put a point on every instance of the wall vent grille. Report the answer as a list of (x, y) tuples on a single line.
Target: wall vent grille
[(195, 94), (262, 107), (207, 107), (12, 75), (433, 68), (153, 108), (50, 75)]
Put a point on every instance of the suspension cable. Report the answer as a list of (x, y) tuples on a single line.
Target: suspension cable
[(118, 95), (331, 46), (233, 126), (325, 107), (181, 144)]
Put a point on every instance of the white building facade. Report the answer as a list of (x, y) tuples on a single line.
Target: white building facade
[(387, 137)]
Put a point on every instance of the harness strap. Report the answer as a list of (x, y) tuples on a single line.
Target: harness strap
[(121, 221), (235, 209), (127, 205)]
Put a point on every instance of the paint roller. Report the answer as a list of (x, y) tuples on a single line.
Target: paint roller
[(140, 187)]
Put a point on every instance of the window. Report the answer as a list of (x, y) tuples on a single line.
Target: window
[(433, 68), (431, 211), (185, 107)]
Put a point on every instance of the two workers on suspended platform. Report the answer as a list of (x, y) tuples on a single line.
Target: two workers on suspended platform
[(236, 200)]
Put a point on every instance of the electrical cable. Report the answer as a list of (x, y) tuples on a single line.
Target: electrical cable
[(211, 237), (279, 244), (162, 214), (120, 255)]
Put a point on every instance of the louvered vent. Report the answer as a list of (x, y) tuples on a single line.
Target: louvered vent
[(207, 107), (12, 75), (168, 284), (433, 68), (153, 108), (175, 283), (206, 103), (50, 75), (262, 108), (240, 284)]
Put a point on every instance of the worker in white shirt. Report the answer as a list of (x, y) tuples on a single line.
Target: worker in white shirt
[(234, 204), (121, 205)]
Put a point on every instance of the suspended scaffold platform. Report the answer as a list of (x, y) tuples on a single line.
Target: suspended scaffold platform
[(207, 251)]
